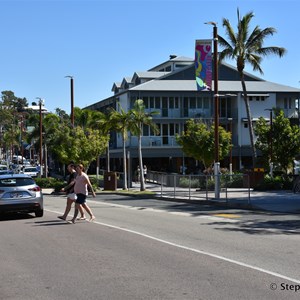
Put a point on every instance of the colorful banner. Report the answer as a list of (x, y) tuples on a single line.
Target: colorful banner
[(203, 64)]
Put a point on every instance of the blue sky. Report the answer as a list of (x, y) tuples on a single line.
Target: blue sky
[(101, 41)]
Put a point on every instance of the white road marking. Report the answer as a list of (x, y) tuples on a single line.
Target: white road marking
[(236, 262)]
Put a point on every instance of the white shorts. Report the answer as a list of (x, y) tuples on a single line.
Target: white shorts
[(72, 196)]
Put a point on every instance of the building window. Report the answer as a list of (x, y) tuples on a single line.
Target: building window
[(285, 103), (171, 102), (199, 102), (171, 129), (145, 130), (145, 99), (151, 100), (157, 102), (257, 98), (206, 102), (192, 102), (176, 102), (250, 98), (246, 125)]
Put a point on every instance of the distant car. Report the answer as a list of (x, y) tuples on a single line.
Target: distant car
[(31, 171), (4, 169), (20, 193)]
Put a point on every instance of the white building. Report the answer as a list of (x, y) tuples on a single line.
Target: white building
[(170, 88)]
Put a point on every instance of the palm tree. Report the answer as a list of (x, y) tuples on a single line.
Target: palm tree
[(247, 47), (122, 121), (103, 121), (140, 117)]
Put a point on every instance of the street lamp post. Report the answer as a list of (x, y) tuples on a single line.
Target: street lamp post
[(230, 154), (216, 111), (72, 98), (41, 102)]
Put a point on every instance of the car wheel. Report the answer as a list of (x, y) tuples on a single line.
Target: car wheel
[(39, 213)]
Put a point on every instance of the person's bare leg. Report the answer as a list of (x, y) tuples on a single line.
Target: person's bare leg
[(88, 210), (67, 210), (77, 205), (82, 216)]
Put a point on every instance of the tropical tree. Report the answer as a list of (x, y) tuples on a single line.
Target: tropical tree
[(103, 122), (79, 145), (121, 121), (247, 46), (198, 141), (139, 118), (285, 141), (9, 100)]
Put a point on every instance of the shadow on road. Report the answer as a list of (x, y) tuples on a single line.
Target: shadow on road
[(15, 216)]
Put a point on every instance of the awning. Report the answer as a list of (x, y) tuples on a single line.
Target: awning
[(254, 119), (257, 95)]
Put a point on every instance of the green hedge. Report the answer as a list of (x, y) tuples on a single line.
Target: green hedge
[(58, 184), (275, 183), (50, 182)]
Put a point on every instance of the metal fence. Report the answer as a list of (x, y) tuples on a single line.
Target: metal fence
[(201, 187)]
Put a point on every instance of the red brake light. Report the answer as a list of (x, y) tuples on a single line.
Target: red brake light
[(35, 189)]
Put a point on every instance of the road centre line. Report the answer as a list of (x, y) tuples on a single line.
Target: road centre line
[(223, 258)]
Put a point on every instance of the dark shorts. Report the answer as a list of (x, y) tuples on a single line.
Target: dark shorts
[(81, 198)]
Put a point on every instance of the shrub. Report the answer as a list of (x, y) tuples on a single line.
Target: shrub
[(58, 184), (185, 182), (275, 183), (50, 182), (232, 181)]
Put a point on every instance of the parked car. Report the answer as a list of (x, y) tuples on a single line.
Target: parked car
[(4, 169), (31, 171), (20, 193)]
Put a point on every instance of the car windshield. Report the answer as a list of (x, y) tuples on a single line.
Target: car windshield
[(30, 170), (16, 182)]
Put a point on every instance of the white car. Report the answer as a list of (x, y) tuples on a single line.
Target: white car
[(31, 171)]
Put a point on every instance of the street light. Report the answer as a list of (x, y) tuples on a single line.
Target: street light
[(216, 108), (41, 102), (230, 155), (72, 98)]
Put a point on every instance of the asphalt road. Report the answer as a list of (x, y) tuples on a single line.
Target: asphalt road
[(149, 249)]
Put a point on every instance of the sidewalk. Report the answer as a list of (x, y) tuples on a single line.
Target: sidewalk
[(273, 201)]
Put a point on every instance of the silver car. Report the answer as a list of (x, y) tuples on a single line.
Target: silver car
[(20, 193)]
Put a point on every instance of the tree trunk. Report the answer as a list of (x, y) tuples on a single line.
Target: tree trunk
[(124, 165), (250, 125), (142, 179), (107, 158)]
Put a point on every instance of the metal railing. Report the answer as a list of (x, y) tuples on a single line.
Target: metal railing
[(201, 187)]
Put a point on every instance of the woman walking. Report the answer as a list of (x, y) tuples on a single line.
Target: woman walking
[(71, 196), (82, 182)]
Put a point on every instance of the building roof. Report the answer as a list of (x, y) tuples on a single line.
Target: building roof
[(224, 86), (174, 58), (151, 75)]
